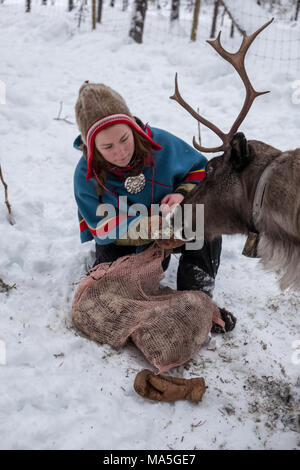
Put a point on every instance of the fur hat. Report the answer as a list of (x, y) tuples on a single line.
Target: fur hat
[(98, 107), (96, 101)]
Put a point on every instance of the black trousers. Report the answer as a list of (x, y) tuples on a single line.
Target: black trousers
[(197, 268)]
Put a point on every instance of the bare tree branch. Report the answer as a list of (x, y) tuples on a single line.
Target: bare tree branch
[(5, 287), (58, 118)]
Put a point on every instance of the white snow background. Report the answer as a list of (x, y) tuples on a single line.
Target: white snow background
[(60, 390)]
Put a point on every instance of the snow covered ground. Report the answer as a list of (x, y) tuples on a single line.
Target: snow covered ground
[(60, 390)]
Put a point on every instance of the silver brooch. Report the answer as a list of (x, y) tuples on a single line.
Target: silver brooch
[(135, 184)]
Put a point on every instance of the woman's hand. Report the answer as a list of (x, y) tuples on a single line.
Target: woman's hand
[(167, 204), (169, 244), (170, 200)]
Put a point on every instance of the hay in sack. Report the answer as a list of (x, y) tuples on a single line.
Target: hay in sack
[(123, 299)]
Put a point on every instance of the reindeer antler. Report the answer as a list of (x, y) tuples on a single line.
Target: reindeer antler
[(237, 60)]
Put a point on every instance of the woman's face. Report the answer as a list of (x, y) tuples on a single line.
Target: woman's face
[(116, 144)]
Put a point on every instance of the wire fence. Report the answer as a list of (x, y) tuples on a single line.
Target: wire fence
[(278, 47)]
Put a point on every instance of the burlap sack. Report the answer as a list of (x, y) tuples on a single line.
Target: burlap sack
[(124, 299)]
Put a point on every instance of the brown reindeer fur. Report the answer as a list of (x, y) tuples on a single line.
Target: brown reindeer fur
[(227, 193)]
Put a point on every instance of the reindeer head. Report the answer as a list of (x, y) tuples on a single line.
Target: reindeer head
[(227, 175), (227, 191)]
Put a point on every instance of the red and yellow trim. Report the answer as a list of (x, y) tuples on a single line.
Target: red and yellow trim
[(83, 225), (104, 228), (197, 175)]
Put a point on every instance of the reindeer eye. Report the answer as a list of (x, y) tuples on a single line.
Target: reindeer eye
[(209, 170)]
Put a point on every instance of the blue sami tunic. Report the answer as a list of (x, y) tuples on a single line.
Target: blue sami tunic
[(176, 164)]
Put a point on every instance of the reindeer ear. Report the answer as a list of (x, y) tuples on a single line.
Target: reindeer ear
[(239, 154)]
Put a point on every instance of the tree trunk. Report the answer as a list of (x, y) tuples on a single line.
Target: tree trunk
[(195, 20), (125, 5), (27, 6), (112, 3), (99, 11), (175, 10), (223, 15), (44, 2), (190, 5), (80, 12), (93, 14), (70, 5), (214, 23), (138, 20), (297, 10)]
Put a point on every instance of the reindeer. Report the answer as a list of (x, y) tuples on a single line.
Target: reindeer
[(252, 188)]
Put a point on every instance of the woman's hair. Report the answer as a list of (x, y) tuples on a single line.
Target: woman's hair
[(142, 149)]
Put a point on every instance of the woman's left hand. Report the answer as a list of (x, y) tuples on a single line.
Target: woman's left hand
[(170, 200), (169, 244)]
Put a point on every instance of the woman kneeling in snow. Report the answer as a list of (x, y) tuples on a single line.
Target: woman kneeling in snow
[(124, 163)]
